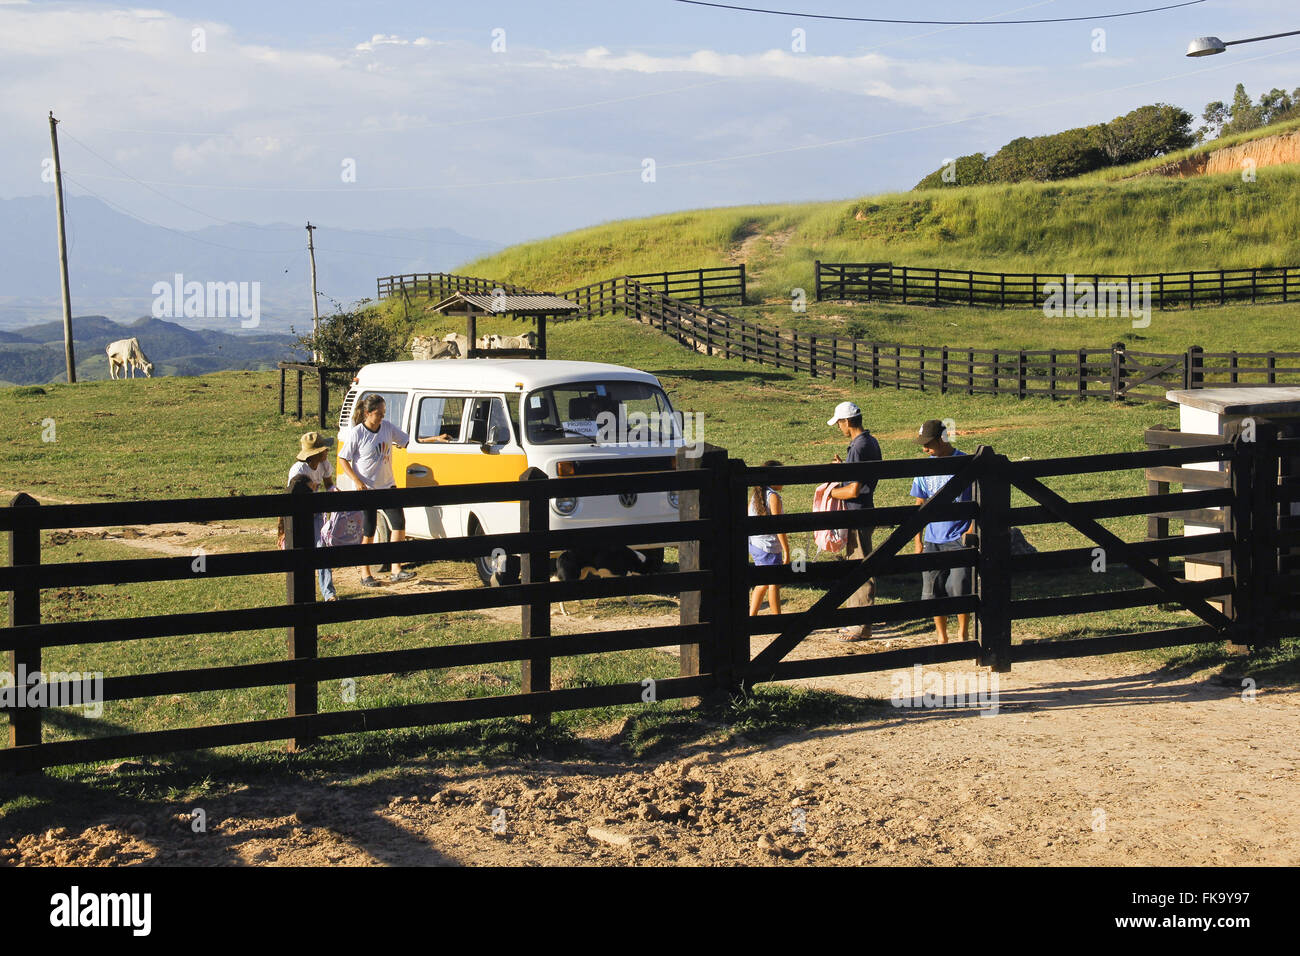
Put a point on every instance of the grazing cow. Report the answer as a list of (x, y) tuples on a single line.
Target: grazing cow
[(485, 341), (612, 562), (127, 356), (427, 347)]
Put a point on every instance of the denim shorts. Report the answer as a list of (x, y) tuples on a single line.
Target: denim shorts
[(765, 559)]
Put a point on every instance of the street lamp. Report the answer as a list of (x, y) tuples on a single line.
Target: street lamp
[(1208, 46)]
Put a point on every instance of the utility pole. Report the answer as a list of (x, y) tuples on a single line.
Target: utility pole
[(63, 253), (315, 308)]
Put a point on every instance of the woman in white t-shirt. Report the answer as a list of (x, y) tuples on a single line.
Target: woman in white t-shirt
[(367, 458)]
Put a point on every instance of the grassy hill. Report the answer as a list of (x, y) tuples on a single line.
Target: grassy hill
[(1093, 224)]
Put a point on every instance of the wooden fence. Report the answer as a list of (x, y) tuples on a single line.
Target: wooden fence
[(712, 578), (1117, 373), (884, 281), (326, 377), (701, 286)]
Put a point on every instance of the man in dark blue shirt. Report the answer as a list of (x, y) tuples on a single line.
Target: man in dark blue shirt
[(857, 496)]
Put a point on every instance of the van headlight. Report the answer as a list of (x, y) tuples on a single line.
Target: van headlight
[(672, 500), (564, 506)]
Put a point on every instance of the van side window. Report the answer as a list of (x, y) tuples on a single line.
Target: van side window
[(394, 405), (439, 415), (484, 414)]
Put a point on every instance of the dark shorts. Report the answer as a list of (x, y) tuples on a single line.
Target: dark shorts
[(944, 582), (765, 559), (396, 521)]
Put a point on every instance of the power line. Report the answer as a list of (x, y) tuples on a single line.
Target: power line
[(742, 156), (963, 23)]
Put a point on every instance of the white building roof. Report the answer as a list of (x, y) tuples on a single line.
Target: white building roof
[(493, 375), (1253, 400)]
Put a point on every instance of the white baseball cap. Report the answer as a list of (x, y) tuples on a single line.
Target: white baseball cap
[(844, 410)]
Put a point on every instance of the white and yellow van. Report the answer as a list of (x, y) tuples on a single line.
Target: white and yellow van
[(477, 420)]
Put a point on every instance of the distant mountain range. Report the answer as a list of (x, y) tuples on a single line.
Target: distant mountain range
[(115, 261), (34, 355)]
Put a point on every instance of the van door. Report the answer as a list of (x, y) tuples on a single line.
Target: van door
[(448, 432)]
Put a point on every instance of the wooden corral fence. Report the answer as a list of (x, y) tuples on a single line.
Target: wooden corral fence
[(702, 286), (326, 377), (884, 281), (713, 578), (1117, 373)]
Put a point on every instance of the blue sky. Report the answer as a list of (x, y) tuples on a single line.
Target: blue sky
[(264, 122)]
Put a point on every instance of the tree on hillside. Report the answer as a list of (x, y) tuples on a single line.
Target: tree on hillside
[(965, 171), (1146, 132), (1242, 115), (353, 339)]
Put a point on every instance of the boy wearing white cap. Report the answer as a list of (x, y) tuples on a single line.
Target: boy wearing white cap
[(857, 496)]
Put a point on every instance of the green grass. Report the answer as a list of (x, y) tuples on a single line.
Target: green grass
[(1143, 226)]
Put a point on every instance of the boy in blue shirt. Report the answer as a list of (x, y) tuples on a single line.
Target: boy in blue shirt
[(941, 535)]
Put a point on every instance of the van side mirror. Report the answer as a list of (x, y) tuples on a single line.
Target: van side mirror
[(493, 438)]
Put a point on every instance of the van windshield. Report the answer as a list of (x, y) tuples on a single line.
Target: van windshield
[(599, 413)]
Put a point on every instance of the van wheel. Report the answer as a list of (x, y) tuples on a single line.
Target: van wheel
[(509, 574)]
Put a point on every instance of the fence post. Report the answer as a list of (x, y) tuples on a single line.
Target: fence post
[(812, 356), (24, 608), (1021, 374), (300, 591), (1272, 367), (875, 365), (1083, 373), (743, 290), (970, 371), (1266, 559), (701, 285), (904, 285), (282, 390), (1195, 367), (943, 371), (1117, 371), (535, 568), (323, 402), (853, 349), (993, 563), (1240, 606), (817, 281), (724, 605), (835, 344), (1191, 289), (299, 394)]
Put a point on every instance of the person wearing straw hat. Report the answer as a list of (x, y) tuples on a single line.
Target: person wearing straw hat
[(313, 467), (313, 461), (857, 496)]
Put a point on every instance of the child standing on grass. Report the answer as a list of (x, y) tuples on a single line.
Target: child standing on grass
[(300, 485), (767, 550)]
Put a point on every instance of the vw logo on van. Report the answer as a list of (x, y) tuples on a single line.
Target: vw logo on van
[(627, 499)]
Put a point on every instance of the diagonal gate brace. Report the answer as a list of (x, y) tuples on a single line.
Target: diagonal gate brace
[(1152, 572), (762, 667)]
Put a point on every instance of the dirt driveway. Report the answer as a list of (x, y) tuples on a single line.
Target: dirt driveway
[(1094, 762)]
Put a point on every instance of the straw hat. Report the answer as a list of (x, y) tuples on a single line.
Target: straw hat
[(313, 443)]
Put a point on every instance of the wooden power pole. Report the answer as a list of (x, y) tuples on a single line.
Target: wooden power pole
[(63, 253), (315, 307)]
